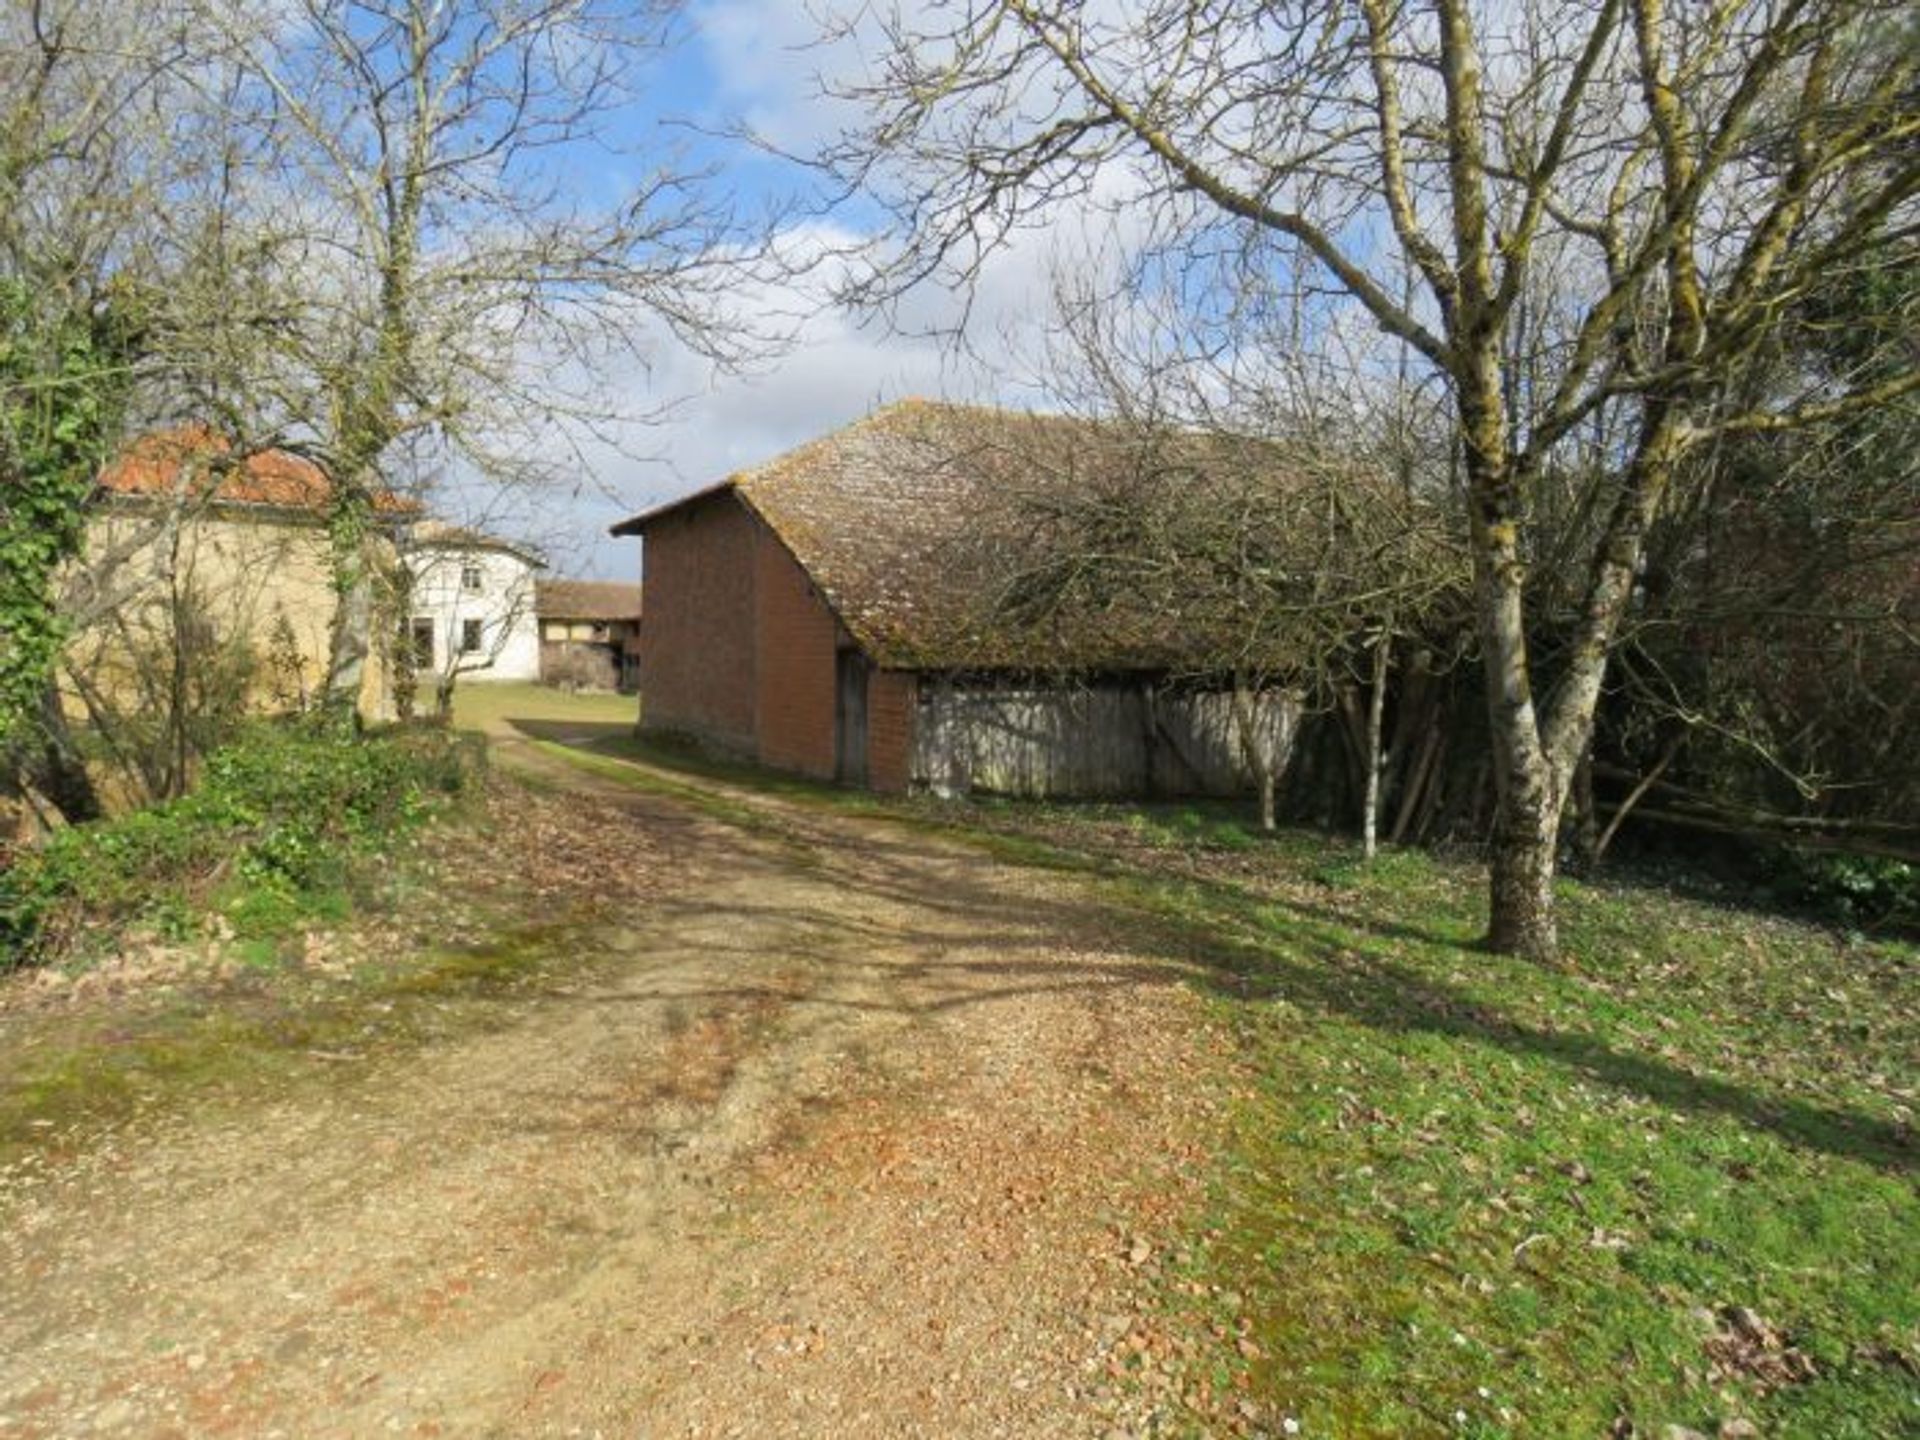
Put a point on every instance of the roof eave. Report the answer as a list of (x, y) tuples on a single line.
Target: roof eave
[(638, 523), (533, 559)]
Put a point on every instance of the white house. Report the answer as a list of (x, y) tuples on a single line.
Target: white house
[(472, 610)]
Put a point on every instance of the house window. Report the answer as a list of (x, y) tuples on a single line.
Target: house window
[(599, 632), (470, 577), (422, 638), (469, 637)]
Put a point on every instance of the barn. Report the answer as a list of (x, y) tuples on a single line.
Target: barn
[(829, 613)]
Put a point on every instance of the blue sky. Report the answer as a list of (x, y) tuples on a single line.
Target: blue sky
[(750, 61)]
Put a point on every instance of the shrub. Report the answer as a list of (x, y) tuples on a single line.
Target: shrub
[(279, 815), (1863, 891)]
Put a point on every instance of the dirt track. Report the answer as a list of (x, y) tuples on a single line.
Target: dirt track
[(855, 1131)]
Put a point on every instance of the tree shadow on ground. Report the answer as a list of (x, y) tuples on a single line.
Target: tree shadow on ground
[(1312, 968), (571, 732), (1226, 940), (1309, 969)]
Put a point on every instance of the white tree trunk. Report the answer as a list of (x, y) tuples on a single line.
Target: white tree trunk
[(1376, 708)]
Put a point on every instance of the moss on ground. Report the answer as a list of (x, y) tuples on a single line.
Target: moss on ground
[(263, 1029), (1669, 1181)]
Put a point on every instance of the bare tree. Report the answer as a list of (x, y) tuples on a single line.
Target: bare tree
[(1601, 205), (1768, 680), (84, 151), (456, 290), (1242, 564), (1261, 524)]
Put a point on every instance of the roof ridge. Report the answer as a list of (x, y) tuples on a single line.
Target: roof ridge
[(876, 418), (768, 472), (787, 458)]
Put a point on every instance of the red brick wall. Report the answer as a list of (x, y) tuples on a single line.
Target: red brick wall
[(890, 709), (737, 649), (697, 651), (795, 695)]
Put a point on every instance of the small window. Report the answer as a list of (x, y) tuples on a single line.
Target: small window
[(423, 644), (470, 578), (469, 637), (599, 631)]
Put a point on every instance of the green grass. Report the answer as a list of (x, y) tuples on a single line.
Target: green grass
[(263, 1029), (1471, 1195), (481, 706), (1457, 1194), (1463, 1194), (741, 814)]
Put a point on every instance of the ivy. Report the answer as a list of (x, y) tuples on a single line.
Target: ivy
[(63, 382)]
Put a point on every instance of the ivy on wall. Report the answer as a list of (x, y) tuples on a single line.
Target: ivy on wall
[(64, 378)]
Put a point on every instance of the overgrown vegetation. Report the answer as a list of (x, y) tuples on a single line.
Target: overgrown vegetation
[(1584, 229), (60, 391), (269, 836), (62, 383), (1865, 891)]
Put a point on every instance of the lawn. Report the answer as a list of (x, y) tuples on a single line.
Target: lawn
[(1664, 1186), (495, 705), (1667, 1182)]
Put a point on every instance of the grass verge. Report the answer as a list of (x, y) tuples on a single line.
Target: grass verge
[(1667, 1182), (260, 1030), (269, 839)]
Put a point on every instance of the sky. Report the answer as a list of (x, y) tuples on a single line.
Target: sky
[(754, 61)]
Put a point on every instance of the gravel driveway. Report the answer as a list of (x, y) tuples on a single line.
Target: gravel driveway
[(852, 1130)]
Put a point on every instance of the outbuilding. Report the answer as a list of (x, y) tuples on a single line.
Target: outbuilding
[(589, 634), (830, 613)]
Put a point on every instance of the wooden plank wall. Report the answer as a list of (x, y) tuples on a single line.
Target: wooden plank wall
[(1108, 740)]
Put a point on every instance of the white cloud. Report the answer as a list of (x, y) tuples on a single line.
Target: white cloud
[(839, 365)]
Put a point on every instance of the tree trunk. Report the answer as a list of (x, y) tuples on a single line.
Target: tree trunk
[(1540, 758), (1376, 710), (352, 640), (54, 767), (350, 533), (1416, 787), (1522, 918), (404, 670), (1584, 826), (1527, 792), (1253, 746), (179, 688)]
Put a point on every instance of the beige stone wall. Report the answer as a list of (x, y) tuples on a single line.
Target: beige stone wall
[(244, 572)]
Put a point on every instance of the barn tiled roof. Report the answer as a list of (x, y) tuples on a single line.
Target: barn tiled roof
[(909, 520), (586, 600), (159, 463)]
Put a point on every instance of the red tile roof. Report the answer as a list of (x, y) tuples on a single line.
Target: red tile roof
[(154, 465)]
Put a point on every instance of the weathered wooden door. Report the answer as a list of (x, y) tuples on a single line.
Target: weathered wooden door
[(850, 718)]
